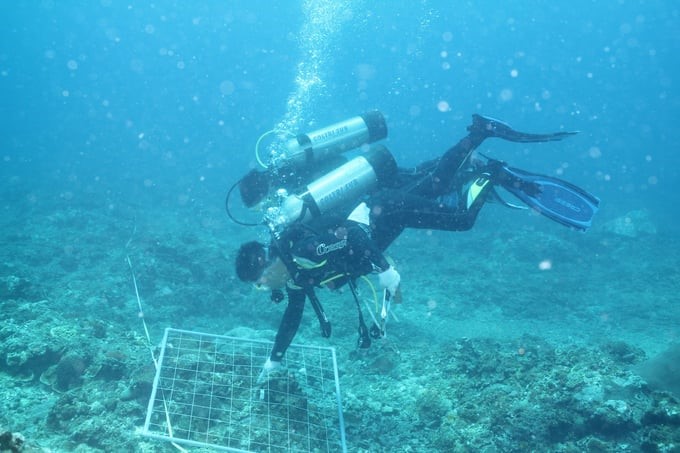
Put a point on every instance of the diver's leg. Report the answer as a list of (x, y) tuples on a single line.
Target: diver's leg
[(444, 176), (441, 177), (394, 210)]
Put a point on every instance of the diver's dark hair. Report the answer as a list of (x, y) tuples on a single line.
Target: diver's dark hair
[(251, 260), (253, 187)]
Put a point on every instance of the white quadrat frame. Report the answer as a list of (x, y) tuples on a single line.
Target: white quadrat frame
[(206, 394)]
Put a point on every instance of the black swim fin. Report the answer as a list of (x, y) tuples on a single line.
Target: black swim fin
[(491, 127), (556, 199)]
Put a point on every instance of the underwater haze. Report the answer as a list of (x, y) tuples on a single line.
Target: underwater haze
[(125, 124)]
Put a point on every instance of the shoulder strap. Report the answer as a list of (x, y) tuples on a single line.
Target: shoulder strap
[(324, 323)]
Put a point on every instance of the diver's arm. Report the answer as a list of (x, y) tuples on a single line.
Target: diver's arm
[(374, 261), (368, 255), (289, 323)]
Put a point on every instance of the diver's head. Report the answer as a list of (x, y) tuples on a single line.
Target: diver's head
[(251, 261), (253, 187), (258, 264)]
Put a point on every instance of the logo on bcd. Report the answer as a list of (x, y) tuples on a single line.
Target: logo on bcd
[(323, 249)]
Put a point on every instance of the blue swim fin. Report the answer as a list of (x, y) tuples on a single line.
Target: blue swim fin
[(556, 199)]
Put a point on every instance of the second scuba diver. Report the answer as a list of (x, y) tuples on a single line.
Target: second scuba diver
[(339, 227)]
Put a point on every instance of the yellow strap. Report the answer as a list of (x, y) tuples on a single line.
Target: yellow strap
[(305, 263), (375, 294), (328, 280)]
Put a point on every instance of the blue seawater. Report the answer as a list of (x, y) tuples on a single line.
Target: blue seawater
[(123, 124)]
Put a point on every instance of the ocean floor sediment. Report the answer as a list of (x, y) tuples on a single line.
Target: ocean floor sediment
[(507, 340)]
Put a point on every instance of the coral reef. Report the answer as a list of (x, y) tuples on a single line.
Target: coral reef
[(662, 372), (632, 225), (457, 372), (490, 394), (12, 442)]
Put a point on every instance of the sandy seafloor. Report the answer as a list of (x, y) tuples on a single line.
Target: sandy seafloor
[(490, 352)]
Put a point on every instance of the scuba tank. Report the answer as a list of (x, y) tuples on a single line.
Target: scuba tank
[(292, 165), (349, 182), (320, 145)]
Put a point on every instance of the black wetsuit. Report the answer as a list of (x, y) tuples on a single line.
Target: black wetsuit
[(326, 253), (330, 251)]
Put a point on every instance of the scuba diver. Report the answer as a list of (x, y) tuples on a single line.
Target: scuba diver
[(340, 225)]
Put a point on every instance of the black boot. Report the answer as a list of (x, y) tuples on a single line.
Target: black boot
[(498, 174)]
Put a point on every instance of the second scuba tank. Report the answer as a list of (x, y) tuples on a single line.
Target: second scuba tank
[(346, 183), (334, 139)]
